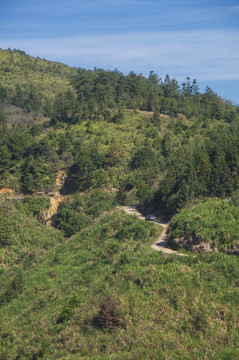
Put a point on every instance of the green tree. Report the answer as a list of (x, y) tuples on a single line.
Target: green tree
[(5, 159), (144, 157), (121, 194), (65, 108), (18, 142), (19, 97), (37, 175), (143, 191), (3, 123)]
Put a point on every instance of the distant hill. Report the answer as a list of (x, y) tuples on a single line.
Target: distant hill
[(31, 83), (18, 68), (164, 142)]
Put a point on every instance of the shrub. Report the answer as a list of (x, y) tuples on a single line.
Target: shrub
[(70, 221), (109, 315), (5, 230), (34, 205), (12, 290), (214, 222), (69, 308)]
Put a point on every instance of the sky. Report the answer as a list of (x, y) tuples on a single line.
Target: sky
[(182, 38)]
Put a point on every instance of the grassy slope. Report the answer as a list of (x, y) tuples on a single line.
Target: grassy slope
[(170, 307), (213, 225), (48, 76)]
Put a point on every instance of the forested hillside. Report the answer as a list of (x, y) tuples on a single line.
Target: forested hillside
[(74, 270)]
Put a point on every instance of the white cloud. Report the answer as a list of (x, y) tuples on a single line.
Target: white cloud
[(205, 55), (235, 8)]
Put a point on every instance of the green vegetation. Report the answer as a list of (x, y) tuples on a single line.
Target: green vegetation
[(75, 213), (202, 167), (31, 83), (78, 276), (213, 224), (34, 206), (104, 293)]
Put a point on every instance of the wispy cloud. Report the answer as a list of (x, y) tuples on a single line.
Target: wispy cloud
[(234, 8), (205, 55)]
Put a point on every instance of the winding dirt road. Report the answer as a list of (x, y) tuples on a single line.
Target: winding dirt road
[(162, 242)]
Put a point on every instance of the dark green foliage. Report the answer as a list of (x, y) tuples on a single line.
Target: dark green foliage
[(97, 202), (166, 145), (144, 158), (170, 87), (121, 195), (3, 123), (33, 99), (212, 104), (118, 118), (6, 229), (133, 231), (201, 169), (65, 108), (3, 93), (18, 143), (19, 98), (83, 170), (34, 206), (12, 290), (35, 130), (69, 308), (27, 98), (76, 213), (143, 191), (37, 175), (5, 158), (70, 221)]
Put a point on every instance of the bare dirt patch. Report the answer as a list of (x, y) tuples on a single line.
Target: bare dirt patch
[(6, 192)]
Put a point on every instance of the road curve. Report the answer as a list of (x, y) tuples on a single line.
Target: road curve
[(162, 242)]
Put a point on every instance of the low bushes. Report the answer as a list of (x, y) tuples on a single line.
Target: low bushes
[(211, 225)]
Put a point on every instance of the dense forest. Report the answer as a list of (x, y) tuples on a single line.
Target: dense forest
[(78, 277)]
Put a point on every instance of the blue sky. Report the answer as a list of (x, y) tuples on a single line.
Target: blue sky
[(195, 38)]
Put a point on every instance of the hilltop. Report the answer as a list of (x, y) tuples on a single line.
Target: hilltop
[(19, 69)]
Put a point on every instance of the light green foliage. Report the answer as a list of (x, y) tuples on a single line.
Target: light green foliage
[(29, 81), (20, 227), (176, 307), (215, 222)]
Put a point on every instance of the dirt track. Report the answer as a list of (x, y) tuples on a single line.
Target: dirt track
[(162, 242)]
